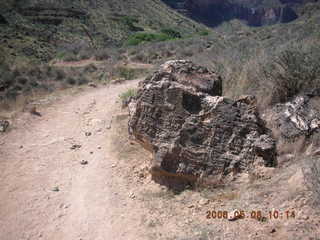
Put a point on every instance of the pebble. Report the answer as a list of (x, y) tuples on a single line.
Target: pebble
[(234, 215), (132, 196), (203, 202), (75, 146), (92, 85), (84, 162)]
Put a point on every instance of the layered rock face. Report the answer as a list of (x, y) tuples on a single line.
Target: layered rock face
[(180, 116), (255, 13)]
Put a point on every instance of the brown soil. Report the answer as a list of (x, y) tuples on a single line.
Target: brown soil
[(46, 193)]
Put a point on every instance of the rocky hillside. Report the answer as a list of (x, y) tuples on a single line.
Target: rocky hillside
[(38, 28), (254, 12)]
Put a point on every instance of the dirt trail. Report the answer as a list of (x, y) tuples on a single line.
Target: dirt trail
[(45, 192), (81, 63)]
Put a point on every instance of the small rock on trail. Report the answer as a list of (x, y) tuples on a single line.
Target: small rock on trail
[(75, 146), (4, 125)]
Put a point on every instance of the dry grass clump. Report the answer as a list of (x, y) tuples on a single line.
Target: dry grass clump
[(292, 72), (27, 79)]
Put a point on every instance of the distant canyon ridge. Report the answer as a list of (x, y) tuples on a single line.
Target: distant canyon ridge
[(253, 12)]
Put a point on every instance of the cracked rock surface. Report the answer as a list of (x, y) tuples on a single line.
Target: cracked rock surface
[(180, 116)]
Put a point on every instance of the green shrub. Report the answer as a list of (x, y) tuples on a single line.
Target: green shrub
[(6, 77), (11, 94), (61, 55), (102, 55), (204, 33), (71, 57), (71, 81), (82, 80), (83, 55), (60, 75), (34, 72), (17, 88), (128, 94), (126, 73), (16, 73), (140, 57), (22, 80), (171, 33), (90, 68), (130, 23), (34, 83), (138, 38)]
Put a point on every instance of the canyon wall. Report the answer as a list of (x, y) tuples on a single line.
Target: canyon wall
[(254, 12)]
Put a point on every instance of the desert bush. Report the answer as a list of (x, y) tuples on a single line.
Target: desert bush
[(90, 68), (34, 84), (11, 94), (34, 71), (16, 73), (17, 88), (311, 174), (70, 57), (84, 55), (6, 76), (130, 22), (138, 38), (128, 94), (204, 33), (292, 72), (49, 71), (126, 73), (171, 33), (22, 80), (82, 80), (61, 55), (102, 55), (140, 57), (60, 75), (71, 81), (186, 52)]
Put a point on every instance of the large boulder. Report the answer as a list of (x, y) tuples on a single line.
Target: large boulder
[(180, 116), (296, 118)]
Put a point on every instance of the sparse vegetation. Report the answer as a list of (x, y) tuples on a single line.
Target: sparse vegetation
[(128, 94), (139, 38), (102, 55), (23, 80), (204, 33), (294, 71)]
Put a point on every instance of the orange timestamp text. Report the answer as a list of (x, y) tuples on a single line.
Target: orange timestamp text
[(254, 214)]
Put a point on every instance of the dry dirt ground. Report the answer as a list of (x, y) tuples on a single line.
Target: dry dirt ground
[(46, 193)]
